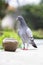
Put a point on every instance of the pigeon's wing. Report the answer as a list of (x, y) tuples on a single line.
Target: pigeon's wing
[(30, 35), (29, 32)]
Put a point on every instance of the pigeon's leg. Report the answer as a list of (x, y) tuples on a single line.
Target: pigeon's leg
[(25, 47)]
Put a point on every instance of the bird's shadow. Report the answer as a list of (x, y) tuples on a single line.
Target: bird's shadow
[(27, 50), (32, 49)]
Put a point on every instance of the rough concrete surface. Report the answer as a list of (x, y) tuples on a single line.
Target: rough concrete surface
[(22, 57)]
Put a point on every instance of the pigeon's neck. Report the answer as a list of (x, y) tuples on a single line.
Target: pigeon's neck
[(23, 23)]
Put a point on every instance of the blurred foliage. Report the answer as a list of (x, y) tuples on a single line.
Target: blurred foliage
[(33, 15), (2, 8), (38, 34)]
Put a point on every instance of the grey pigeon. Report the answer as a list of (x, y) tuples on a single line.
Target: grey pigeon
[(24, 32)]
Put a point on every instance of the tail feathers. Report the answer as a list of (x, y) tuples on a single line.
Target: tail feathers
[(34, 45)]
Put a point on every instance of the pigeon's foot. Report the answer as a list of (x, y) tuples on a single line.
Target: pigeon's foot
[(25, 49)]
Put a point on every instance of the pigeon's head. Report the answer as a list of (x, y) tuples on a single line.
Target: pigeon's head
[(19, 18)]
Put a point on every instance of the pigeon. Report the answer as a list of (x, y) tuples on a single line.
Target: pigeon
[(24, 32)]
